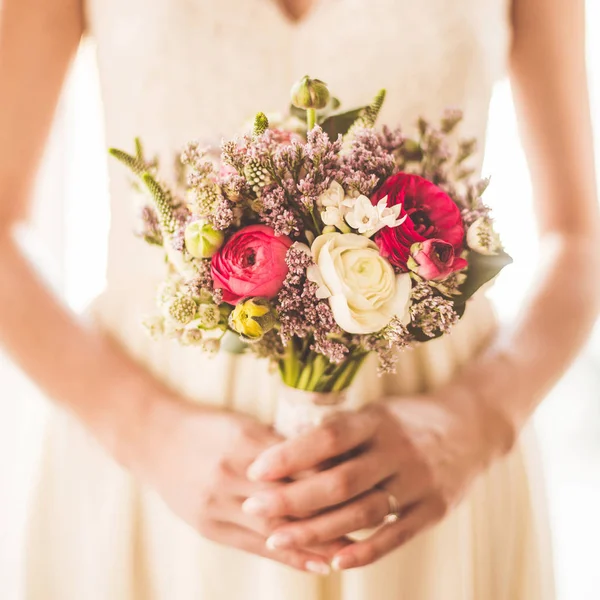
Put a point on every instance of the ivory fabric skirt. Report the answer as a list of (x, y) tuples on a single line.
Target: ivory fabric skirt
[(95, 533)]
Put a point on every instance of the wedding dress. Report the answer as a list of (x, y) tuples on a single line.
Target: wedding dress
[(174, 70)]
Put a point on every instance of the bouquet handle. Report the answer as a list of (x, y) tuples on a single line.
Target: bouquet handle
[(301, 410)]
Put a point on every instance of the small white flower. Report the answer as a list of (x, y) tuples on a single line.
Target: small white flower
[(368, 219), (333, 196), (334, 208), (363, 291)]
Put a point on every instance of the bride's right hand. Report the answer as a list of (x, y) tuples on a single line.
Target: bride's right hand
[(197, 458)]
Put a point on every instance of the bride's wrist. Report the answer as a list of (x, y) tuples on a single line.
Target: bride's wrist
[(489, 390), (142, 408), (498, 430)]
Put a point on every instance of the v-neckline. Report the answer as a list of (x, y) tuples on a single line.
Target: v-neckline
[(301, 19)]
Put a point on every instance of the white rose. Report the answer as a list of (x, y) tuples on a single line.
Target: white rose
[(363, 291)]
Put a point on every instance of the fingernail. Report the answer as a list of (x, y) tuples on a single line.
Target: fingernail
[(258, 470), (339, 563), (280, 540), (255, 506), (318, 567)]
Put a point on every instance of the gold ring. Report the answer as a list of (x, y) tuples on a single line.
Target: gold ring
[(394, 511)]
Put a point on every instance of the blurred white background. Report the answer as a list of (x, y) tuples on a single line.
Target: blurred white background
[(72, 214)]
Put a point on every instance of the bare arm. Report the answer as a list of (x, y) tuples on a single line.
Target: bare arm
[(38, 40), (196, 458), (550, 88)]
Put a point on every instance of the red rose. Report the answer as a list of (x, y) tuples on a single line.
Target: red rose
[(431, 215), (434, 259), (251, 263)]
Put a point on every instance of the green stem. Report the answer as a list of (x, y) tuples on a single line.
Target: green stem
[(315, 223), (304, 378), (319, 366), (289, 365), (348, 374), (311, 118)]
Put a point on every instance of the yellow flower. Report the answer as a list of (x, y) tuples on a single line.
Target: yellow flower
[(252, 319)]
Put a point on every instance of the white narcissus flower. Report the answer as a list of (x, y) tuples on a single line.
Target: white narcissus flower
[(368, 219), (363, 290), (482, 238)]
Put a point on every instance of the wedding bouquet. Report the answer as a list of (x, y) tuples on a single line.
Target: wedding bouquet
[(316, 240)]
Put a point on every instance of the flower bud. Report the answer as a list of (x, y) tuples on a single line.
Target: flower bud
[(202, 240), (182, 310), (310, 93), (209, 316), (191, 336), (434, 260), (252, 318), (482, 238)]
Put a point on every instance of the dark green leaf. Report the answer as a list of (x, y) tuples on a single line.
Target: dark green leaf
[(322, 115), (419, 336), (340, 123), (481, 269), (299, 113)]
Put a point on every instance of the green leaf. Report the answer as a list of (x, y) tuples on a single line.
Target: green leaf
[(419, 336), (299, 113), (232, 343), (481, 269), (341, 123), (322, 115)]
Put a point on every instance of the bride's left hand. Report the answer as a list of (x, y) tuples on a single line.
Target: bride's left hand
[(423, 451)]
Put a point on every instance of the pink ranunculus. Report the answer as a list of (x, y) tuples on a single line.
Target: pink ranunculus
[(432, 214), (251, 263), (435, 259)]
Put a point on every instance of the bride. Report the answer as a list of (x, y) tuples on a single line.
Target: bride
[(161, 477)]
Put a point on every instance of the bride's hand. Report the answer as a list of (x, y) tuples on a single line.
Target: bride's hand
[(197, 458), (423, 451)]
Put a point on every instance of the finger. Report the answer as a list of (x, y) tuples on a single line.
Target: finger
[(230, 511), (323, 489), (249, 442), (386, 539), (342, 434), (240, 486), (330, 549), (365, 512), (234, 535)]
